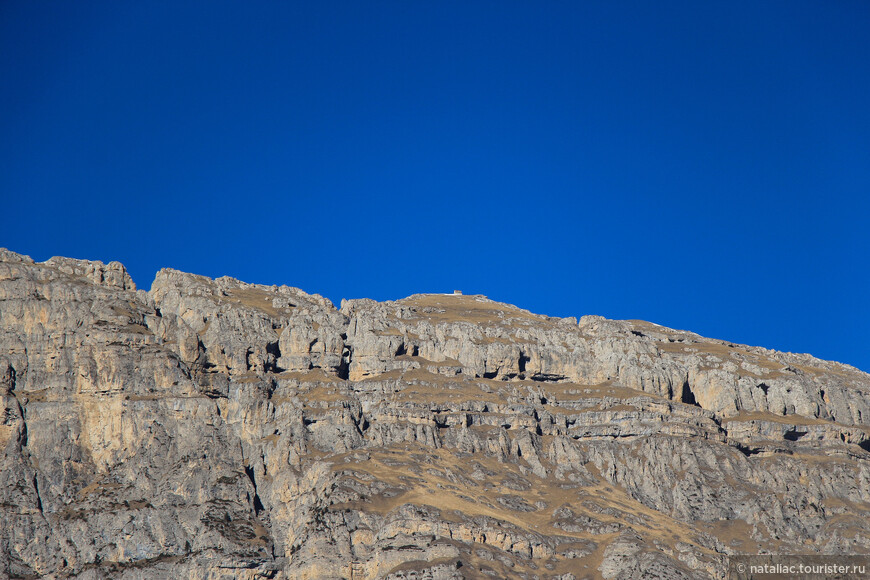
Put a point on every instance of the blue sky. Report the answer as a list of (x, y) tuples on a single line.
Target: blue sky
[(702, 165)]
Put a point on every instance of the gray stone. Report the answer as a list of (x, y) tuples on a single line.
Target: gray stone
[(214, 428)]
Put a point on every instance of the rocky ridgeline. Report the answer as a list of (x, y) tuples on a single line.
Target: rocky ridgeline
[(218, 429)]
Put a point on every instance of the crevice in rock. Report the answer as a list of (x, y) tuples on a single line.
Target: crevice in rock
[(273, 349), (865, 445), (522, 362), (343, 370), (547, 378), (763, 387), (687, 396), (258, 505), (22, 437), (746, 450), (361, 424), (38, 496), (794, 435), (10, 378)]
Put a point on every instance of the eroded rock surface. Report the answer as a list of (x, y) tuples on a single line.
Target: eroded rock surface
[(218, 429)]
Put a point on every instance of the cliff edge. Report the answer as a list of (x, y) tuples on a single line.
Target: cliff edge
[(218, 429)]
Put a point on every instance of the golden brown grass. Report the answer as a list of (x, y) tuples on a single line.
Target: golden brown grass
[(467, 308), (257, 298), (439, 478)]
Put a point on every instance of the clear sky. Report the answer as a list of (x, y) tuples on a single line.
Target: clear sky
[(702, 165)]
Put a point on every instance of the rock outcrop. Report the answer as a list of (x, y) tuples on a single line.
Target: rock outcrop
[(218, 429)]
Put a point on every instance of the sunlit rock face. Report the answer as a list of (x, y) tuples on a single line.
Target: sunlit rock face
[(218, 429)]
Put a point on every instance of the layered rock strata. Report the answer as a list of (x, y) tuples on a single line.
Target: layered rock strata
[(218, 429)]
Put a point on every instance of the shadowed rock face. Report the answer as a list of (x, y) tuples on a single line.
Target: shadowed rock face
[(217, 429)]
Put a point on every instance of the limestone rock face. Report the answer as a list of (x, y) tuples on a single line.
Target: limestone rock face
[(218, 429)]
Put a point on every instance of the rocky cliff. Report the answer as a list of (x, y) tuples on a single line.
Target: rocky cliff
[(218, 429)]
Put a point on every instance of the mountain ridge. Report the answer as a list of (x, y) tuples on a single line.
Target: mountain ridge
[(210, 424)]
